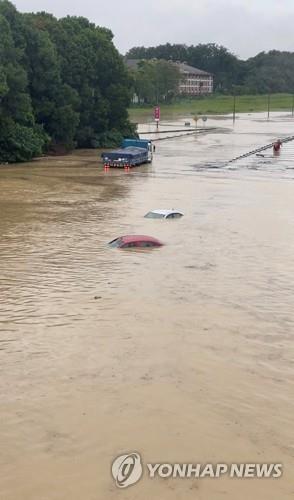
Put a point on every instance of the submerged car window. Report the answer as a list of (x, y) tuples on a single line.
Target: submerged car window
[(115, 243), (175, 215), (132, 244), (154, 215), (147, 244)]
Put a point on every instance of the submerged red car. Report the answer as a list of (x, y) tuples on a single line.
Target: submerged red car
[(135, 241)]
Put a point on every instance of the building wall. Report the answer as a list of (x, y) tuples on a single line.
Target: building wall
[(192, 84)]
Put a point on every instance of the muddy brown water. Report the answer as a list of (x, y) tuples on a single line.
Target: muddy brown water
[(184, 354)]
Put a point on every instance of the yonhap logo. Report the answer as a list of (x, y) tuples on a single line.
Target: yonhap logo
[(127, 470)]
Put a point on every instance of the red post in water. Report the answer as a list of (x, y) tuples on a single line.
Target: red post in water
[(157, 115)]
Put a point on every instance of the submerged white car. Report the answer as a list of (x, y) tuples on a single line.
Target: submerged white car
[(164, 214)]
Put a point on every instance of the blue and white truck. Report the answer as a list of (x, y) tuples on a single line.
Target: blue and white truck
[(132, 152)]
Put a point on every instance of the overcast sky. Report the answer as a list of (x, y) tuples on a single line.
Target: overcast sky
[(245, 27)]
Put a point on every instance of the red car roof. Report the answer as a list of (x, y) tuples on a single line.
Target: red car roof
[(130, 238)]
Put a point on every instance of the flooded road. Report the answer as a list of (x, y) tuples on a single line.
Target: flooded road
[(183, 354)]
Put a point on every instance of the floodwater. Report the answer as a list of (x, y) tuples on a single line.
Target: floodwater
[(183, 354)]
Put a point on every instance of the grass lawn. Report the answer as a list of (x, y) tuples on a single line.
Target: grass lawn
[(216, 105)]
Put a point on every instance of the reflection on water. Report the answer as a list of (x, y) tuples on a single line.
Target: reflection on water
[(184, 354)]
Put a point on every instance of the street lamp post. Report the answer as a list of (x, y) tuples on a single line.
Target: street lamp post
[(234, 107), (268, 105)]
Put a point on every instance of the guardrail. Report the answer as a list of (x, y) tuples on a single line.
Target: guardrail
[(263, 148), (177, 130)]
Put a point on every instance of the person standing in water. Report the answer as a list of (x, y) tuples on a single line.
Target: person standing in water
[(277, 146)]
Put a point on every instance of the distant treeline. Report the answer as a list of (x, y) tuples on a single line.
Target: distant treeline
[(62, 84), (270, 72)]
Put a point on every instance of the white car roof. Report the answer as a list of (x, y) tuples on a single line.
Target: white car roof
[(166, 212)]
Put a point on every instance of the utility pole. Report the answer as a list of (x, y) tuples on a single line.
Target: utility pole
[(268, 105), (234, 107), (157, 98)]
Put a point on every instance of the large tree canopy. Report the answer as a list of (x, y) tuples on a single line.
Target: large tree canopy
[(226, 68), (62, 82), (156, 81), (270, 72), (266, 72), (20, 137)]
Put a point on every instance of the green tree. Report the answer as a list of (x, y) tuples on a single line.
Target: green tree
[(55, 103), (156, 81), (270, 72), (227, 69), (61, 82), (91, 67), (20, 138)]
